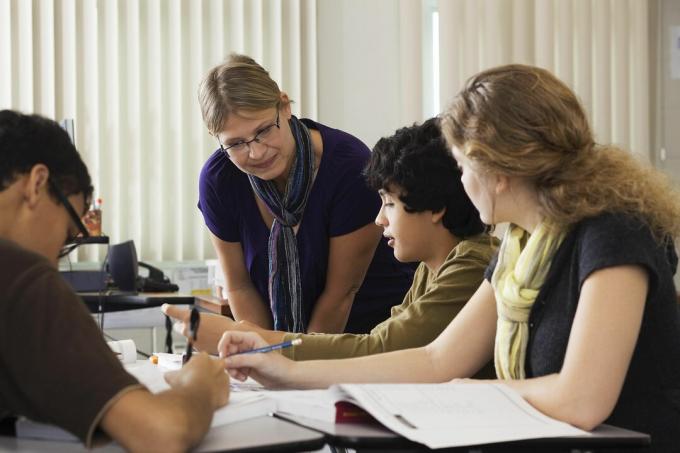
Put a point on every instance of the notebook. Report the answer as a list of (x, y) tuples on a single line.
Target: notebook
[(243, 405), (319, 405), (453, 415)]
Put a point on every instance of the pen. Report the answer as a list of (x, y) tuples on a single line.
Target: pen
[(271, 347)]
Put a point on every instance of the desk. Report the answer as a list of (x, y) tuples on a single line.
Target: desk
[(148, 302), (263, 434), (214, 305), (367, 437), (120, 302)]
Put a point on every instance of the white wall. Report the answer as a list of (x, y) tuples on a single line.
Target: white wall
[(358, 73), (667, 109)]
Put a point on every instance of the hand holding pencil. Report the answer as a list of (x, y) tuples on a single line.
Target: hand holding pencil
[(246, 354), (270, 348)]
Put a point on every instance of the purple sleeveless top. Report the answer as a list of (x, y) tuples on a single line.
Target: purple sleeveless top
[(339, 203)]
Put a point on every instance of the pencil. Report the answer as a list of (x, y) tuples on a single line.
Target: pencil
[(271, 347)]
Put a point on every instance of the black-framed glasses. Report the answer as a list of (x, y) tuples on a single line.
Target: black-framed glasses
[(72, 241), (241, 147), (194, 321)]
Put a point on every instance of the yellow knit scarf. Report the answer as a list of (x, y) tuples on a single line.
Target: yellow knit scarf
[(518, 277)]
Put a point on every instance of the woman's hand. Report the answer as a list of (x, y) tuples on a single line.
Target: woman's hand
[(270, 368), (210, 328)]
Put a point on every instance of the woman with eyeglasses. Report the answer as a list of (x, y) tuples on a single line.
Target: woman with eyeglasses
[(289, 213)]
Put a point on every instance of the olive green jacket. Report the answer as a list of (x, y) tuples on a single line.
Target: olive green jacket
[(433, 300)]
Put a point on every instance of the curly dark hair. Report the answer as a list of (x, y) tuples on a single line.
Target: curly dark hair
[(27, 140), (417, 161)]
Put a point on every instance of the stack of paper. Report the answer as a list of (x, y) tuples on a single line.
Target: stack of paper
[(242, 405)]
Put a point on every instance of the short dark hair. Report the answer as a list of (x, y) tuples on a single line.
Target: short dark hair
[(417, 161), (27, 140)]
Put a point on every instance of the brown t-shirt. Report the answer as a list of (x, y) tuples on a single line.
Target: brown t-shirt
[(55, 366)]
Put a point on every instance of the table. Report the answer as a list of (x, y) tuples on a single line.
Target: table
[(375, 437), (262, 434), (116, 304), (214, 305), (130, 301)]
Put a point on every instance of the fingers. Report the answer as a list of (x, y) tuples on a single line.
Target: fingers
[(242, 362), (234, 341), (239, 375), (214, 377), (179, 314)]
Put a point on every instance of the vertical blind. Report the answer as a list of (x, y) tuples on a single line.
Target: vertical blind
[(127, 72), (600, 48)]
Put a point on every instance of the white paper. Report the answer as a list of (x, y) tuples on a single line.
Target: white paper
[(125, 350), (316, 404), (242, 405), (450, 415)]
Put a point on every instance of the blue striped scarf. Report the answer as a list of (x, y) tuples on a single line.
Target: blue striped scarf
[(285, 288)]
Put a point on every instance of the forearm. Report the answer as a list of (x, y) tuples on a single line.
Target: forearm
[(556, 398), (388, 367), (334, 346), (191, 406), (331, 312), (270, 336), (179, 421), (247, 305)]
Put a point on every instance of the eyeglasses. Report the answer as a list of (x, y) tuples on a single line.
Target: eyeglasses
[(72, 241), (194, 321), (239, 148)]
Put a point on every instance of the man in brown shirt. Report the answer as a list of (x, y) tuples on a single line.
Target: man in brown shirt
[(54, 364)]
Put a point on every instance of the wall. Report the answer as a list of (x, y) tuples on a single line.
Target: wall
[(666, 120), (358, 72), (668, 91)]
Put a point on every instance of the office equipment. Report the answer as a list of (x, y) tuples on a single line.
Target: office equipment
[(123, 265), (85, 281), (124, 270), (155, 281)]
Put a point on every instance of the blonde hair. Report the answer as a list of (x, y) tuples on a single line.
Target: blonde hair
[(522, 121), (237, 84)]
